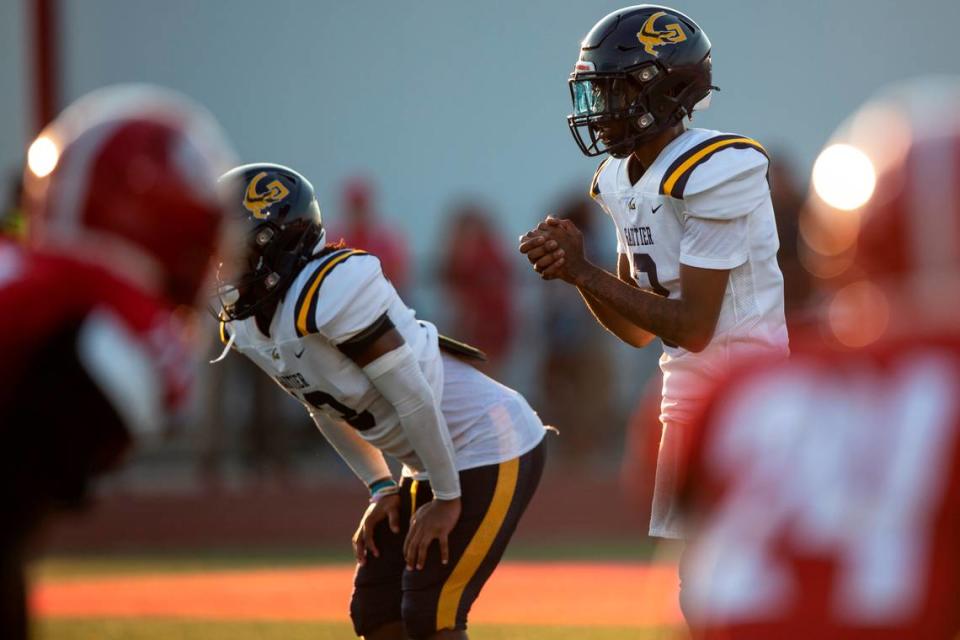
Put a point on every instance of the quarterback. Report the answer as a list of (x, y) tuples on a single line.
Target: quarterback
[(323, 321), (697, 242)]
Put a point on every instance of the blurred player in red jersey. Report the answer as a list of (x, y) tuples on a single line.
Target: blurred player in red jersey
[(826, 489), (124, 222)]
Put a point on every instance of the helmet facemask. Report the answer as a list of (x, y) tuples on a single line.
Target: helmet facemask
[(633, 106), (266, 267)]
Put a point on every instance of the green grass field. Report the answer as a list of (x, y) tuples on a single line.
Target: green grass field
[(65, 566), (149, 629)]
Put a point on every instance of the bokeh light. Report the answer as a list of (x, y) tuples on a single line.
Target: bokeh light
[(42, 156), (844, 177), (859, 314)]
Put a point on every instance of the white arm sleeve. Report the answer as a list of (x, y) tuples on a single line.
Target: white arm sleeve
[(363, 458), (398, 378)]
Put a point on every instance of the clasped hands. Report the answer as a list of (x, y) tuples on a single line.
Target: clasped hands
[(555, 250)]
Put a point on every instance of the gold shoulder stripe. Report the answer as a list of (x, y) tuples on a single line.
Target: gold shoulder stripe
[(675, 177), (306, 309), (595, 183), (479, 546)]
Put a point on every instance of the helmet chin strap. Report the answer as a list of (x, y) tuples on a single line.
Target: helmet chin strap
[(226, 349), (321, 242)]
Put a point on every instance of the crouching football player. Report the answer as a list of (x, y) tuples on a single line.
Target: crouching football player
[(325, 323)]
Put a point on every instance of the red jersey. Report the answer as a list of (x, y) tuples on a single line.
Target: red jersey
[(826, 496), (126, 340)]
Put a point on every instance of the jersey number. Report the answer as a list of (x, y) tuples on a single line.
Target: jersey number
[(359, 421), (809, 492), (643, 263)]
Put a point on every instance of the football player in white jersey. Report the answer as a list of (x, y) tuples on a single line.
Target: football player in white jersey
[(697, 241), (323, 321)]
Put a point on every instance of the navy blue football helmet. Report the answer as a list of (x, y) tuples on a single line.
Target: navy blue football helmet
[(646, 67)]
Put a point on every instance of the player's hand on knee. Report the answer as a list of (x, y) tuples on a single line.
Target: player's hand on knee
[(387, 507), (433, 521)]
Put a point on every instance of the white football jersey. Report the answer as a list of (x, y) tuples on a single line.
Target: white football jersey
[(704, 202), (336, 298)]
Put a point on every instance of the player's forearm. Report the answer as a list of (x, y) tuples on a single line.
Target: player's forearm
[(430, 438), (398, 378), (365, 460), (615, 323), (672, 320)]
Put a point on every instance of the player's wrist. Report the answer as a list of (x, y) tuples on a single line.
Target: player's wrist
[(383, 488), (582, 274)]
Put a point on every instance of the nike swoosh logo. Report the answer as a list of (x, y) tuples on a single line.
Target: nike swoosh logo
[(301, 352), (656, 208)]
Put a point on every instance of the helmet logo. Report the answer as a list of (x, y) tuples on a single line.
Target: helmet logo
[(649, 37), (256, 203)]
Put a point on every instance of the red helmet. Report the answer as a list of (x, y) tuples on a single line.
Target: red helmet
[(886, 190), (126, 176)]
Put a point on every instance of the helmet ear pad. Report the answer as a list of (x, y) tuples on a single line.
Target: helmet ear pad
[(672, 96)]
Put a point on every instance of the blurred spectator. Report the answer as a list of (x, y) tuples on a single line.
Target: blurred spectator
[(638, 469), (826, 488), (12, 221), (787, 197), (361, 226), (244, 408), (576, 371), (476, 277)]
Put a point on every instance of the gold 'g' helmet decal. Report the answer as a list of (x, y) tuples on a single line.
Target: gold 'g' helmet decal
[(256, 202), (649, 37)]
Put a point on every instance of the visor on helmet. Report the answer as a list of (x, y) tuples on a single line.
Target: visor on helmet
[(602, 100)]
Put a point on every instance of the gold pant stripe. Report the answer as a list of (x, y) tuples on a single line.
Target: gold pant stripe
[(312, 291), (413, 497), (479, 545), (693, 160)]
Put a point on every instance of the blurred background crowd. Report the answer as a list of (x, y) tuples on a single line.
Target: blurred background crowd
[(435, 135)]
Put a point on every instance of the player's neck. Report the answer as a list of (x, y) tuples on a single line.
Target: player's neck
[(644, 155)]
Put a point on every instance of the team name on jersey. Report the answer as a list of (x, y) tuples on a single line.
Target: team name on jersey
[(293, 382), (638, 236)]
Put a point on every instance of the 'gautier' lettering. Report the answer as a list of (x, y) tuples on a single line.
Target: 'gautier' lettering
[(638, 236)]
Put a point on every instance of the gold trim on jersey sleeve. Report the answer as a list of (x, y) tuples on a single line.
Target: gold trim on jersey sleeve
[(675, 177), (306, 309), (224, 338)]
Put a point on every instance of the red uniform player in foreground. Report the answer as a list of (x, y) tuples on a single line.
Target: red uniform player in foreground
[(123, 223), (826, 489)]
